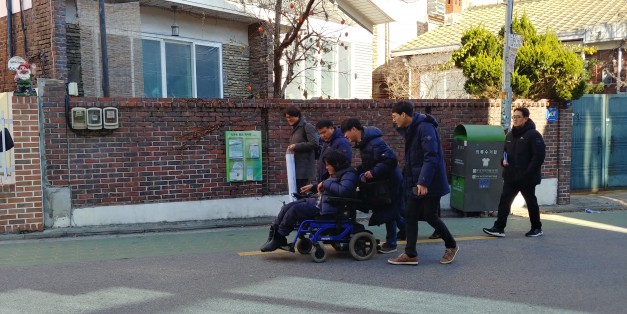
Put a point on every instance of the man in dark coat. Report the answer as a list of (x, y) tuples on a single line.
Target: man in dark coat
[(425, 180), (303, 143), (523, 156), (342, 182), (379, 163)]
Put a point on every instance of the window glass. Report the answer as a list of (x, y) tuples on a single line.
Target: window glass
[(323, 75), (294, 89), (152, 68), (178, 67), (328, 68), (208, 72), (344, 71), (311, 75)]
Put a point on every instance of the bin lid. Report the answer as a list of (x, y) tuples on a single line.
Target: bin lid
[(479, 133)]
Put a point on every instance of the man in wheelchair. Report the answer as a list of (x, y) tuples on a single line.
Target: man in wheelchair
[(342, 182)]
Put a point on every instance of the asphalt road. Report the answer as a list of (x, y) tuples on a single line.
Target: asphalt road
[(580, 265)]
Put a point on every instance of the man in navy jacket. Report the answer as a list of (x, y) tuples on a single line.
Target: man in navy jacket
[(332, 139), (379, 163), (425, 180)]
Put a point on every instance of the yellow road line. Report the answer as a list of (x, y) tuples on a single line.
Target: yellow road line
[(251, 253)]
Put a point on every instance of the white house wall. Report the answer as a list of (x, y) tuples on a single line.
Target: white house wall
[(362, 70), (156, 21), (26, 4), (406, 16)]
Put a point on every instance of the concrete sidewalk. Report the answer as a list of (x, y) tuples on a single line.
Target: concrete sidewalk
[(601, 201)]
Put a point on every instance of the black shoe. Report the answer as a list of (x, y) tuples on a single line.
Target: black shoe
[(278, 241), (534, 232), (386, 248), (271, 233), (401, 236), (494, 232), (435, 235)]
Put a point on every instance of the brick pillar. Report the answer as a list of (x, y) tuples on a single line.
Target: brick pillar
[(565, 135), (22, 209)]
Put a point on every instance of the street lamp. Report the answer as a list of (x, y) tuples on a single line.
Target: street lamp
[(175, 27)]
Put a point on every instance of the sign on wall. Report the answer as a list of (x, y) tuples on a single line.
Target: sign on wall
[(243, 156), (552, 114)]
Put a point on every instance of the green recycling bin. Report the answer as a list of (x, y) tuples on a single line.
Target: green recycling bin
[(476, 168)]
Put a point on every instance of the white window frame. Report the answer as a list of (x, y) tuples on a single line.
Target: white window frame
[(301, 80), (165, 39)]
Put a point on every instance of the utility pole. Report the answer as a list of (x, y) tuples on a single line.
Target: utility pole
[(508, 64)]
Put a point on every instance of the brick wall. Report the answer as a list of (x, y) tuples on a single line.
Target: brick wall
[(236, 74), (260, 45), (124, 50), (73, 35), (167, 149), (21, 208), (44, 25)]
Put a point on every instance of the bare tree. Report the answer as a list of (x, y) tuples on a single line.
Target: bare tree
[(298, 35)]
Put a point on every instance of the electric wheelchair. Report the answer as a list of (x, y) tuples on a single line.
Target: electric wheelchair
[(341, 231)]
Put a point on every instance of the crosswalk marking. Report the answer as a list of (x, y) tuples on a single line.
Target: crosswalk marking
[(356, 297), (33, 301)]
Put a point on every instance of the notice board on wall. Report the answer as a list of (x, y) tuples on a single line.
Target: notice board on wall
[(243, 156)]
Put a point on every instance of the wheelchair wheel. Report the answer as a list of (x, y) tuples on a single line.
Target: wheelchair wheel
[(319, 252), (363, 246), (303, 245)]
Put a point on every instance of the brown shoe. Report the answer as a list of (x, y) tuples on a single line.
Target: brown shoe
[(403, 259), (449, 255)]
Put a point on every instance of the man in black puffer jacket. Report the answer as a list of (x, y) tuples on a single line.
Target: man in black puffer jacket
[(523, 156)]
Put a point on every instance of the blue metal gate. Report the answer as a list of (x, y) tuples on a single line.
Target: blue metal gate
[(599, 142)]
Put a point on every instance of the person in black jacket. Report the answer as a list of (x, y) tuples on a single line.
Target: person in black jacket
[(523, 156), (342, 182), (379, 163)]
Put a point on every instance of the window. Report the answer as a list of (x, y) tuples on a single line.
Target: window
[(181, 69), (326, 75)]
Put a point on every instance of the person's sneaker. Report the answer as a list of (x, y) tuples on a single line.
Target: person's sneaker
[(449, 255), (534, 232), (403, 259), (435, 235), (386, 248), (494, 232)]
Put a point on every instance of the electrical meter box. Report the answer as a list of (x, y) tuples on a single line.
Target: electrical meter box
[(79, 118), (110, 117), (94, 118)]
